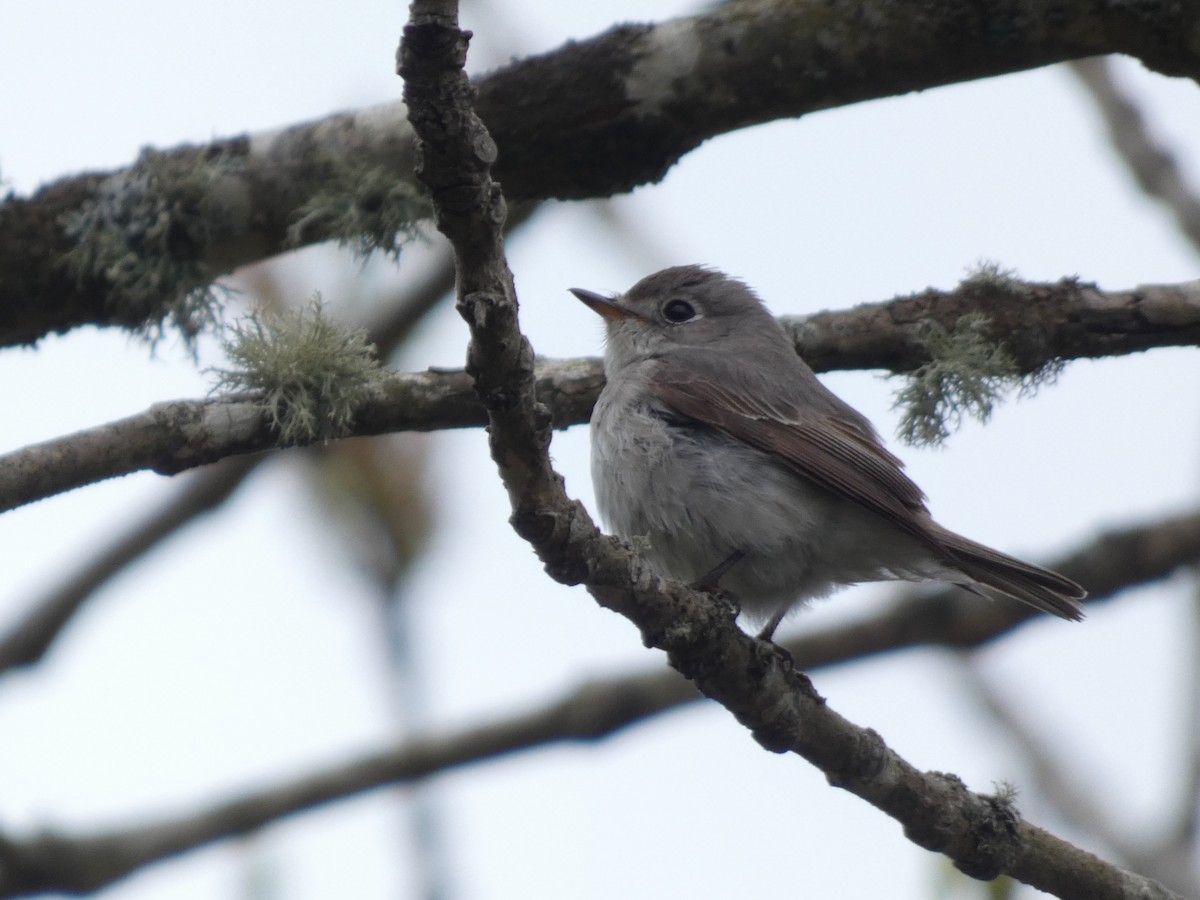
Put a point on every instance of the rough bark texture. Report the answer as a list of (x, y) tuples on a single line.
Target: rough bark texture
[(1040, 324), (590, 119), (1037, 323)]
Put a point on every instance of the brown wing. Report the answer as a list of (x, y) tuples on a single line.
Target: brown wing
[(839, 453), (834, 447)]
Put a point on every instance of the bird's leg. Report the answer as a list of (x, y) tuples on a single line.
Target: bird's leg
[(711, 580), (768, 632), (768, 635)]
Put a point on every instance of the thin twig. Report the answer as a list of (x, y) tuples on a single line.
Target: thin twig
[(1170, 859)]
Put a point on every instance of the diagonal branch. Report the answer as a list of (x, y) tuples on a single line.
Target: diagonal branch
[(1038, 323), (28, 639), (1171, 856), (1155, 168), (593, 711), (983, 835), (85, 863)]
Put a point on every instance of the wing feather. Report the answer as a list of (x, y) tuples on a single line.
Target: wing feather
[(832, 446), (837, 453)]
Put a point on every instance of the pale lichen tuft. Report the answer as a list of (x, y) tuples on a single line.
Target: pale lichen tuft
[(310, 375), (967, 373), (968, 370), (147, 235), (987, 274), (368, 210)]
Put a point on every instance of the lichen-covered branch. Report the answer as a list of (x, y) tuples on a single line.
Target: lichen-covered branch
[(983, 835), (171, 437), (1039, 325), (592, 118)]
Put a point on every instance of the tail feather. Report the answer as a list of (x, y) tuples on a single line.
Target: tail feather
[(1046, 590)]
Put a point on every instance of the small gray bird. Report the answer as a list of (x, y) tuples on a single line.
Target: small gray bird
[(718, 453)]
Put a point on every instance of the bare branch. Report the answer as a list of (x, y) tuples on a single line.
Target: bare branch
[(1154, 167), (82, 863), (30, 637), (592, 118), (1111, 563), (984, 836)]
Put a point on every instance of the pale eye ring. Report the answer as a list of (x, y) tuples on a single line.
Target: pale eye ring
[(678, 310)]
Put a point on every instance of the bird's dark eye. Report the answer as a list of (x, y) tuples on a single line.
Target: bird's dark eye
[(678, 311)]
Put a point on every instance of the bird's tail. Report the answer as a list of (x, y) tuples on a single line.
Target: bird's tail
[(1022, 581)]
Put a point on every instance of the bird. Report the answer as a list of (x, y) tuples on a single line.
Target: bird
[(719, 455)]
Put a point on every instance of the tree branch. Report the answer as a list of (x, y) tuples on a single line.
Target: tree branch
[(593, 711), (26, 641), (590, 119), (31, 637), (983, 835), (1155, 169), (171, 437), (1038, 323), (1113, 562), (84, 863)]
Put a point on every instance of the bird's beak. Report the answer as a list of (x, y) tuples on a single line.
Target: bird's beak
[(608, 308)]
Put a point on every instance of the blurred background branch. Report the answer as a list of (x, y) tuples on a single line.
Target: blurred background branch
[(948, 618), (1153, 166)]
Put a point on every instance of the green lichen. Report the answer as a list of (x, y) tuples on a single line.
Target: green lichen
[(146, 236), (987, 274), (310, 375), (969, 370), (368, 210), (967, 373)]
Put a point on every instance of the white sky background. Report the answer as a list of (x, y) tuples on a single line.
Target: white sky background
[(243, 651)]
